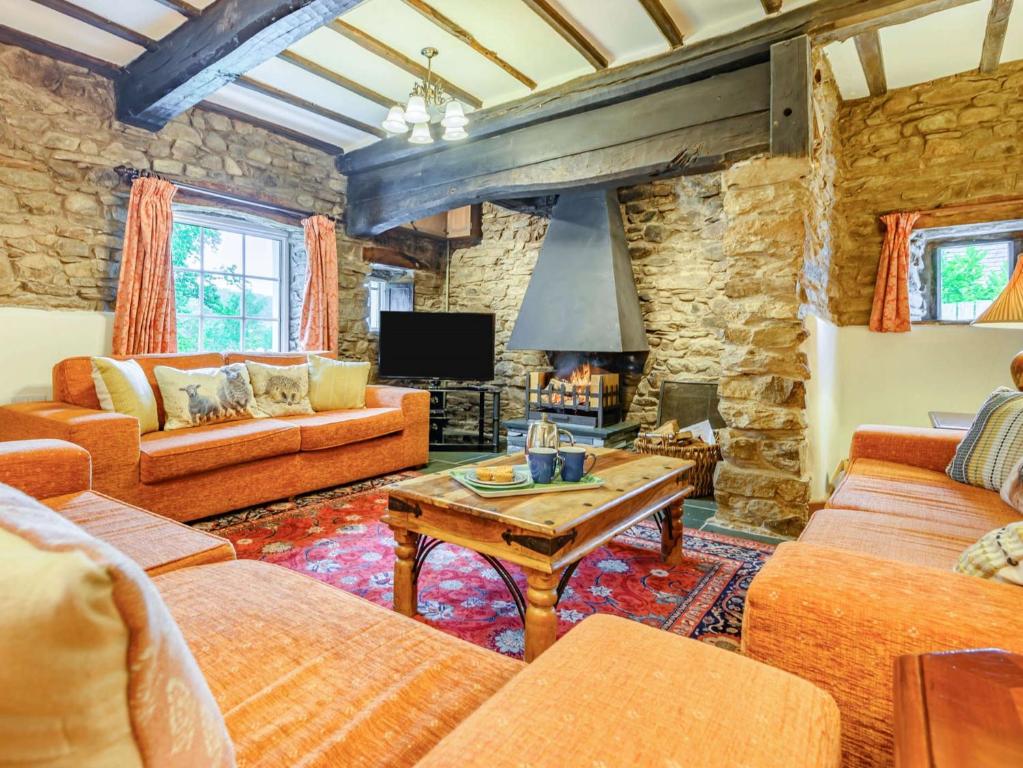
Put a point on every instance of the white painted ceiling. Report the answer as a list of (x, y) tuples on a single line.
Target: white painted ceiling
[(934, 46)]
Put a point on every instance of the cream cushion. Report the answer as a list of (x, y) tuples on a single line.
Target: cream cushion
[(122, 387), (200, 396), (337, 384), (280, 390)]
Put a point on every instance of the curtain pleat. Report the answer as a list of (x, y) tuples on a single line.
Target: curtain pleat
[(319, 326), (890, 313)]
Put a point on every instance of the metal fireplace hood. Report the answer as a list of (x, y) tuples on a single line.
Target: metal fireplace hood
[(582, 295)]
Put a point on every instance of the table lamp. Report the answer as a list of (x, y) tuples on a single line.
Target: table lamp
[(1006, 311)]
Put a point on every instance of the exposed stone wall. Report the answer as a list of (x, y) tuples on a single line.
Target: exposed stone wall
[(943, 142), (762, 482)]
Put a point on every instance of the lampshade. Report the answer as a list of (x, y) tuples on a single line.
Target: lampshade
[(415, 112), (421, 134), (454, 134), (454, 116), (395, 121), (1006, 311)]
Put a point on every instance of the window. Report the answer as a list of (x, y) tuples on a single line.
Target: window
[(228, 279), (389, 289), (969, 276)]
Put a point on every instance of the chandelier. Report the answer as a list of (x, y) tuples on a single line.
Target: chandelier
[(425, 98)]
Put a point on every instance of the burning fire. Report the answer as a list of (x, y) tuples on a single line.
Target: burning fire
[(580, 377), (578, 382)]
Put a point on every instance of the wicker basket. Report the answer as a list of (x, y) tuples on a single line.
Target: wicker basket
[(705, 456)]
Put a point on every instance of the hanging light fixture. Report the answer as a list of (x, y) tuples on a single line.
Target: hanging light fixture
[(426, 97)]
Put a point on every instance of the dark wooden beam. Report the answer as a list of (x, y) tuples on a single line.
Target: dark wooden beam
[(457, 30), (664, 22), (35, 44), (185, 9), (97, 21), (309, 106), (531, 206), (414, 68), (211, 50), (791, 104), (994, 35), (771, 6), (337, 79), (700, 124), (569, 33), (868, 48), (274, 128)]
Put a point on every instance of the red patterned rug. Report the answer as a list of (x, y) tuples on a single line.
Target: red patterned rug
[(336, 536)]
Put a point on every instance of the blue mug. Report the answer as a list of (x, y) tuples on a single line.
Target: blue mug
[(544, 464), (574, 460)]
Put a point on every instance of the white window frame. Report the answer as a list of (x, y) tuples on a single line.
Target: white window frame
[(373, 324), (227, 223)]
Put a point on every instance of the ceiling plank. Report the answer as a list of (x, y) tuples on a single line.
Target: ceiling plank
[(274, 128), (868, 47), (211, 50), (414, 68), (336, 78), (994, 36), (664, 22), (10, 36), (98, 22), (771, 6), (276, 93), (185, 9), (453, 28), (572, 35)]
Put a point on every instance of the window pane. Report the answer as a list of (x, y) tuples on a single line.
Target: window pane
[(261, 298), (223, 253), (186, 292), (188, 334), (219, 335), (222, 295), (186, 246), (261, 336), (971, 277), (262, 257)]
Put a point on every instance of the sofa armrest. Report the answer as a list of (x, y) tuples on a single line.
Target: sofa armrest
[(112, 439), (45, 468), (840, 619), (414, 403), (917, 446)]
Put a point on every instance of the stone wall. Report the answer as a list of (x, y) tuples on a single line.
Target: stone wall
[(947, 141)]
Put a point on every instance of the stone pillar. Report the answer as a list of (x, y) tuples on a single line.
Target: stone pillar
[(762, 482)]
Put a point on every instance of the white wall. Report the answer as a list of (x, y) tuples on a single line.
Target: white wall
[(859, 377), (32, 340)]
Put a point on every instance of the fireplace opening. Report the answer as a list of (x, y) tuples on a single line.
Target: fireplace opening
[(582, 388)]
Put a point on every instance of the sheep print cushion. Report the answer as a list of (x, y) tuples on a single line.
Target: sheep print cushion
[(280, 390), (205, 395)]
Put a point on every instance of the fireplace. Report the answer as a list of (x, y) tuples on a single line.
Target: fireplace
[(583, 387)]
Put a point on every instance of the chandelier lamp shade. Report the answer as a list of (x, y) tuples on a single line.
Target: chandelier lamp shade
[(426, 98)]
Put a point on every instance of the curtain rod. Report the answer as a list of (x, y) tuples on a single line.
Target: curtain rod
[(129, 174)]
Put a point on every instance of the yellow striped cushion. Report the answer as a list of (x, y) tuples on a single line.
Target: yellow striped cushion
[(993, 445)]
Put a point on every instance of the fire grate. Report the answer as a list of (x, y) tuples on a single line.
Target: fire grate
[(586, 398)]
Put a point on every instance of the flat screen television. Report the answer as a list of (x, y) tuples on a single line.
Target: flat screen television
[(437, 345)]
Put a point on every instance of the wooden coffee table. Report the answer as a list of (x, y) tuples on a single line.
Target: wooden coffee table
[(546, 534)]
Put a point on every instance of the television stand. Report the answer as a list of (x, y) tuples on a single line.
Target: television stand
[(444, 437)]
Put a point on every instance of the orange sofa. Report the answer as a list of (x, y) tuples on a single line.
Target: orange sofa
[(871, 579), (306, 674), (187, 474)]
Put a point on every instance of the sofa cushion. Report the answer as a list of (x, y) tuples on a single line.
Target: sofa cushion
[(121, 387), (331, 429), (154, 542), (873, 485), (166, 455), (308, 674)]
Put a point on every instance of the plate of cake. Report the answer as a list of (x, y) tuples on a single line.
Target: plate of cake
[(499, 477)]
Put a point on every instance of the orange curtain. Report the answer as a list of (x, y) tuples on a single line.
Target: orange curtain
[(319, 328), (890, 313), (144, 320)]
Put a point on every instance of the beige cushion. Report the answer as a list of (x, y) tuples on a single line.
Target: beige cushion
[(202, 396), (122, 387), (280, 390), (337, 384), (997, 555)]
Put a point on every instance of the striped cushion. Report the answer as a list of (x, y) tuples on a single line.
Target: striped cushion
[(993, 444)]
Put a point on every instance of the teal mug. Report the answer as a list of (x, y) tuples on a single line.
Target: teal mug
[(574, 467)]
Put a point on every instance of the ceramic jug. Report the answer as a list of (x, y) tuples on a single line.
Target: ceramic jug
[(546, 434)]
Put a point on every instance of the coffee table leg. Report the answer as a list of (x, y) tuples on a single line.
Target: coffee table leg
[(406, 599), (671, 535), (541, 618)]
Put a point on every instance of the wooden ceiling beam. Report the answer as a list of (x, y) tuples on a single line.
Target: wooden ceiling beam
[(98, 22), (212, 50), (568, 32), (453, 28), (185, 9), (664, 22), (849, 19), (336, 78), (868, 48), (276, 93), (771, 6), (994, 35), (414, 68)]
